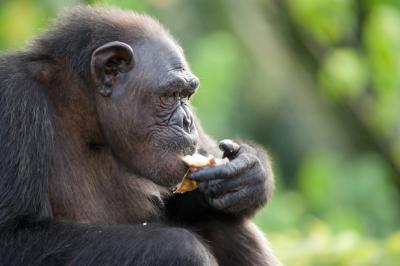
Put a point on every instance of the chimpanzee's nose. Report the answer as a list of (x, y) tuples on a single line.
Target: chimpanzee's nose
[(193, 83)]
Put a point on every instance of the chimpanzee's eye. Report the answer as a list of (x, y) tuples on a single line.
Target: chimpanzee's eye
[(176, 95), (169, 99), (165, 99), (185, 95)]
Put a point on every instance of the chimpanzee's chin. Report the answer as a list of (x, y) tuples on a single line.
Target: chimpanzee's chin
[(189, 150)]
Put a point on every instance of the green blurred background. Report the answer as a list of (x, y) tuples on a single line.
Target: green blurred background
[(317, 82)]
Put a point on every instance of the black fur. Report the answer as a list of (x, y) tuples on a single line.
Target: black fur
[(26, 137), (29, 234)]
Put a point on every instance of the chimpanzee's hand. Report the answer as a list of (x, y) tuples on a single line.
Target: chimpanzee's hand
[(241, 186)]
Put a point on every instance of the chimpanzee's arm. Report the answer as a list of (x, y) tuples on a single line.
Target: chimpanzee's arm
[(49, 243)]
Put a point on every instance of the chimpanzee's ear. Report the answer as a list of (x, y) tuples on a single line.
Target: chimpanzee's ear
[(107, 62)]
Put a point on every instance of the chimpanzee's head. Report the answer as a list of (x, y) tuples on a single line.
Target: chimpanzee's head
[(142, 86)]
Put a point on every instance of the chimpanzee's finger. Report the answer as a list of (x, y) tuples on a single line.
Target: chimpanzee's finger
[(231, 169), (204, 186), (217, 189), (236, 201), (229, 147)]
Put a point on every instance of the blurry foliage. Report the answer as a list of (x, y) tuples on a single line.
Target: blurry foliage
[(382, 42), (348, 194), (348, 81), (318, 83), (318, 245), (218, 63), (327, 22)]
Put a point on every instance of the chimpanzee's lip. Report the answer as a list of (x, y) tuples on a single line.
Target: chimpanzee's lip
[(180, 132), (187, 142)]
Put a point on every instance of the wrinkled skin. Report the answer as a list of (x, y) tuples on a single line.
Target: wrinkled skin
[(153, 122), (149, 122)]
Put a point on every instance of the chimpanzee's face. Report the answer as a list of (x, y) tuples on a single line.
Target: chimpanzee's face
[(143, 105)]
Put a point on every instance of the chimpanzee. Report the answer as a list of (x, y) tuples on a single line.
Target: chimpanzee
[(94, 117)]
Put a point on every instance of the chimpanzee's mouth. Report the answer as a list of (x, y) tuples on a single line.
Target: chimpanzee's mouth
[(184, 138)]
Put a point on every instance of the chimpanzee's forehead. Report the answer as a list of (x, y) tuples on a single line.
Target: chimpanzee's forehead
[(160, 51), (160, 64)]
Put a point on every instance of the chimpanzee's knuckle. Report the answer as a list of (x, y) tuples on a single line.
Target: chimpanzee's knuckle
[(217, 203), (226, 170), (216, 187)]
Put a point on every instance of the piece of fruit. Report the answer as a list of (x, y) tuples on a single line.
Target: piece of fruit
[(196, 162)]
